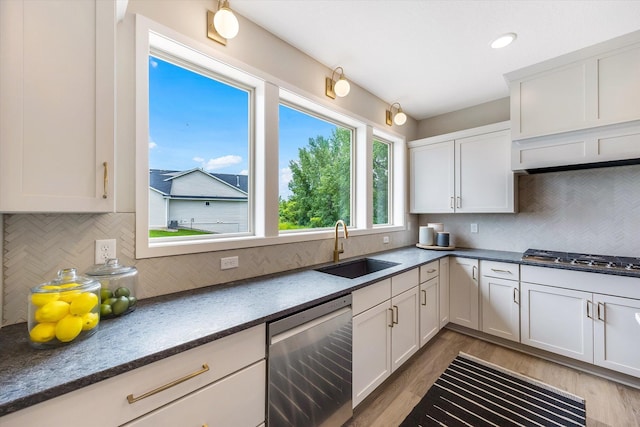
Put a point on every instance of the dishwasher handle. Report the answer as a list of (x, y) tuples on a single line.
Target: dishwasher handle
[(306, 326)]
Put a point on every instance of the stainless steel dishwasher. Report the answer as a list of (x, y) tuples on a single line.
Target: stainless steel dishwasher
[(310, 367)]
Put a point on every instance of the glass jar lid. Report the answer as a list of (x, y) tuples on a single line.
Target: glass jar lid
[(111, 267)]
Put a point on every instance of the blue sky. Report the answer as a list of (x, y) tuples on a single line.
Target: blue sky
[(195, 121)]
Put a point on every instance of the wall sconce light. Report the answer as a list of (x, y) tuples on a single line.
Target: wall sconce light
[(340, 88), (398, 118), (222, 24)]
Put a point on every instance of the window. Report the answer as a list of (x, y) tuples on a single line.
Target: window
[(238, 161), (198, 149), (381, 182), (315, 171)]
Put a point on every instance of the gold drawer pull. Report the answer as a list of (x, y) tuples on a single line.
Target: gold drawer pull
[(432, 270), (106, 180), (132, 399)]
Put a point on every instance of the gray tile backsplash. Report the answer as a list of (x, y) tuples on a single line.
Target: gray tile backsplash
[(590, 211)]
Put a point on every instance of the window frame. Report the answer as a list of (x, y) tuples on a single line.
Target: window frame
[(390, 179), (263, 164)]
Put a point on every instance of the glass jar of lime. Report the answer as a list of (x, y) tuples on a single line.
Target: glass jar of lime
[(63, 310), (118, 287)]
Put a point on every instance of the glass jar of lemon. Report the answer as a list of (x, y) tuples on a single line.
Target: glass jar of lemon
[(64, 310)]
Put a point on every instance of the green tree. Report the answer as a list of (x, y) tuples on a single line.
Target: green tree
[(380, 182), (321, 183)]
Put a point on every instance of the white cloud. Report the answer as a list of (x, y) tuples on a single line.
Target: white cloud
[(153, 63), (285, 178), (152, 145), (218, 163), (243, 172)]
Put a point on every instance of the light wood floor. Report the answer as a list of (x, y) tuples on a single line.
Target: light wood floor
[(608, 403)]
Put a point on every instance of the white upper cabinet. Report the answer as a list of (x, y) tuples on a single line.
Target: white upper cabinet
[(466, 171), (578, 108), (58, 105)]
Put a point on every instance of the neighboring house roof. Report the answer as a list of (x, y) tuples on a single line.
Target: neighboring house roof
[(162, 181)]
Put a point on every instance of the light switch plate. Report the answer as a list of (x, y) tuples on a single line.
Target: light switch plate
[(474, 228)]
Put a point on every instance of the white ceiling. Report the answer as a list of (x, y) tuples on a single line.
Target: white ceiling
[(433, 56)]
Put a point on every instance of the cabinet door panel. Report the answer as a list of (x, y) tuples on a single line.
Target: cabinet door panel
[(484, 180), (443, 295), (552, 102), (463, 292), (616, 333), (405, 335), (557, 320), (371, 350), (429, 318), (619, 86), (500, 307), (432, 178)]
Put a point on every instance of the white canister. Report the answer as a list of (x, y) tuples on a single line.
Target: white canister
[(438, 227), (426, 236)]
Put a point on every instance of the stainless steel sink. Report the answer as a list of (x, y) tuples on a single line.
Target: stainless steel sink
[(358, 268)]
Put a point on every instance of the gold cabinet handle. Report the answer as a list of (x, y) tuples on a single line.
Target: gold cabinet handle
[(458, 202), (433, 270), (106, 180), (497, 270), (132, 399), (395, 309), (424, 295), (451, 202), (601, 314), (391, 324)]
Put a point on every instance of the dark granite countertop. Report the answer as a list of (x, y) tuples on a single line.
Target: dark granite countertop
[(163, 326)]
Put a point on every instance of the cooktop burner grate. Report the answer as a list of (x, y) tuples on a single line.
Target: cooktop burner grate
[(582, 260)]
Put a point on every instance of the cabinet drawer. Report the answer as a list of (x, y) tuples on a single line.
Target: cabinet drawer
[(503, 270), (404, 281), (212, 405), (365, 298), (429, 271), (108, 399)]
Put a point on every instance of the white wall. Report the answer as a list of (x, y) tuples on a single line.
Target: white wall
[(479, 115)]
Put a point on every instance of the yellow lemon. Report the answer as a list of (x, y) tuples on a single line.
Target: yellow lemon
[(68, 328), (89, 321), (68, 296), (52, 311), (69, 285), (41, 299), (51, 287), (83, 303), (43, 332)]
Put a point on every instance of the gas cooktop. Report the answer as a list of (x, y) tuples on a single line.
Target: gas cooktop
[(604, 262)]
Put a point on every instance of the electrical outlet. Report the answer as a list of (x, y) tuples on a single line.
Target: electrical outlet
[(229, 262), (385, 239), (474, 228), (105, 249)]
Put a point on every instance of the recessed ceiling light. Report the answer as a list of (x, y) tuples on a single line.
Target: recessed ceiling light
[(504, 40)]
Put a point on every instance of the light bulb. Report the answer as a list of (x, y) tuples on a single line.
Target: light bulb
[(400, 118), (226, 23), (342, 87)]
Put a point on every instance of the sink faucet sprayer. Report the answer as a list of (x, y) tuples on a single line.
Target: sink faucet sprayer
[(336, 251)]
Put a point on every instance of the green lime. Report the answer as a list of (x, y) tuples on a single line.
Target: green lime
[(132, 301), (105, 294), (110, 301), (120, 306), (122, 292), (105, 310)]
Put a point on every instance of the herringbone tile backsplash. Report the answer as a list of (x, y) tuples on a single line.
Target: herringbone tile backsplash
[(591, 211), (594, 211)]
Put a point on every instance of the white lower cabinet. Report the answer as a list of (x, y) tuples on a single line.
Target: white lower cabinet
[(385, 330), (429, 301), (232, 401), (463, 292), (500, 299), (443, 294), (584, 324), (556, 320), (220, 383), (617, 334)]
